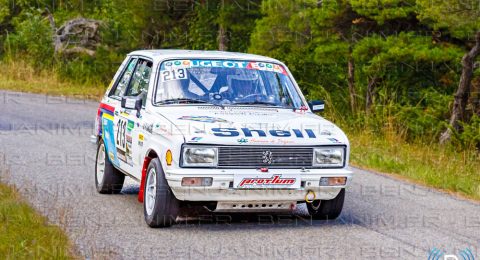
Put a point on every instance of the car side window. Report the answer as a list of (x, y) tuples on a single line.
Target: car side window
[(125, 79), (139, 83)]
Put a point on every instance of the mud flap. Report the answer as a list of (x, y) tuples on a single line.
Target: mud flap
[(146, 162)]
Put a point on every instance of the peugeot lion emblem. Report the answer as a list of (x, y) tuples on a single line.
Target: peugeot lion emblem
[(267, 157)]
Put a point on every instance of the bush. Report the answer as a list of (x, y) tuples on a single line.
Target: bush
[(470, 137), (33, 35), (87, 69)]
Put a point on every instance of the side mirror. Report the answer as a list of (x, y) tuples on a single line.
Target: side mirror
[(317, 105), (133, 103)]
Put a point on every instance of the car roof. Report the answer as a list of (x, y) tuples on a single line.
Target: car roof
[(163, 54)]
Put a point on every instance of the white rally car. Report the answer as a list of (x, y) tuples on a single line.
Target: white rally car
[(229, 131)]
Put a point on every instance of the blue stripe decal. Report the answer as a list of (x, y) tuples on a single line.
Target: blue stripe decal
[(108, 139)]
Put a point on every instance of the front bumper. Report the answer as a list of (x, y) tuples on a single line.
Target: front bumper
[(222, 186)]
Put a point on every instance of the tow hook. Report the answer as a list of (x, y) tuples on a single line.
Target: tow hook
[(310, 196)]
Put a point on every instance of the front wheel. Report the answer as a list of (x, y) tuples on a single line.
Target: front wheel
[(160, 205), (327, 209), (108, 180)]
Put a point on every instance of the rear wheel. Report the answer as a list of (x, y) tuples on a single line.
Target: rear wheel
[(159, 203), (108, 180), (327, 209)]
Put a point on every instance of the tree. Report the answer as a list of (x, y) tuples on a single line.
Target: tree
[(462, 94), (314, 39), (223, 24), (461, 19), (335, 22), (383, 11)]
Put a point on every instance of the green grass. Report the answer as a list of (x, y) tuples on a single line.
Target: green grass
[(24, 234), (19, 76), (429, 164)]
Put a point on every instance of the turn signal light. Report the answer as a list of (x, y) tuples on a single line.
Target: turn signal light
[(169, 157), (333, 181), (197, 181)]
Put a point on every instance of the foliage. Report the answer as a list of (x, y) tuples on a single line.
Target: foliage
[(236, 16), (34, 37), (384, 10), (460, 18), (469, 139), (413, 71)]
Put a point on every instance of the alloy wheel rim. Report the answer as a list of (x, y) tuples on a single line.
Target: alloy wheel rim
[(101, 164), (150, 191)]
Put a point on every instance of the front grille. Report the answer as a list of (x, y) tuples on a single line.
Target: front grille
[(254, 157)]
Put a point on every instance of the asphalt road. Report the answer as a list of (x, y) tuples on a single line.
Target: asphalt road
[(45, 151)]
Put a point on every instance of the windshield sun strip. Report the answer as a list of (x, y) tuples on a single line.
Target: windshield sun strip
[(287, 74)]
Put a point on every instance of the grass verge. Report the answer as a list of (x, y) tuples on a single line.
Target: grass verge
[(24, 234), (428, 164), (19, 76)]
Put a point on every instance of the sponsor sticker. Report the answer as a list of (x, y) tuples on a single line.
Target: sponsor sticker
[(269, 181), (130, 103), (178, 67), (242, 140), (174, 74), (130, 125), (325, 132), (334, 140), (196, 139), (111, 156), (141, 138)]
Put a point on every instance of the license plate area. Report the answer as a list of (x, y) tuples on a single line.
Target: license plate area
[(266, 181), (255, 206)]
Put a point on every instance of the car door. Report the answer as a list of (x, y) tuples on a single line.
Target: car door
[(112, 106), (128, 119)]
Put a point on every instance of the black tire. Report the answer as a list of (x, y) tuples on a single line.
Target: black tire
[(327, 209), (112, 180), (165, 205)]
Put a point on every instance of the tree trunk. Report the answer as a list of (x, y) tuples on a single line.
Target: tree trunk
[(351, 81), (463, 91), (475, 96), (57, 43), (222, 38)]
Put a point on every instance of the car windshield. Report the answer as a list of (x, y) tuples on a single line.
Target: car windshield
[(226, 82)]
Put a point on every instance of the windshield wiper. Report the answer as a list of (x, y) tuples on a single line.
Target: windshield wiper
[(181, 100), (256, 103)]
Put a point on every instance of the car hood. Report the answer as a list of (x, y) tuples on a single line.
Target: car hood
[(250, 126)]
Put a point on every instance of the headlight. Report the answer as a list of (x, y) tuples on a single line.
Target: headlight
[(329, 156), (199, 156)]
